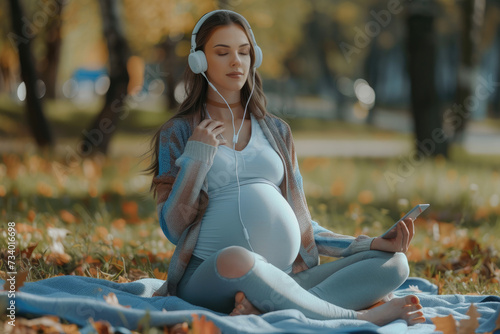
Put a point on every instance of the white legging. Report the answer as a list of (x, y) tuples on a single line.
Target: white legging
[(332, 290)]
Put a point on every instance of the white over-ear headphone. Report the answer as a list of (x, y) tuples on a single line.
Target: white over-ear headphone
[(198, 61)]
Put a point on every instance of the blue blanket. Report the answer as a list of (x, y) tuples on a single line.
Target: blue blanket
[(77, 299)]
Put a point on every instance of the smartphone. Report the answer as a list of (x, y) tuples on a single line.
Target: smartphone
[(413, 213)]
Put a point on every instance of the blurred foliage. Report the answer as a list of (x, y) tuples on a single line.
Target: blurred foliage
[(279, 26)]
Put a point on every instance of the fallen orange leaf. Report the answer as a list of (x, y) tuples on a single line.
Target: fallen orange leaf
[(160, 275), (101, 233), (118, 243), (119, 224), (130, 208), (25, 228), (31, 217), (467, 326), (337, 188), (58, 258), (164, 255), (67, 217), (26, 253), (365, 197), (90, 260), (447, 324), (44, 189), (135, 274), (45, 324), (101, 327), (122, 279), (203, 326), (15, 281)]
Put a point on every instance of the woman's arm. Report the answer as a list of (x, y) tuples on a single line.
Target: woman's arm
[(183, 167)]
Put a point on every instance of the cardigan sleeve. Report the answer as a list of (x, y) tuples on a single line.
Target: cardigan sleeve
[(329, 243), (183, 166)]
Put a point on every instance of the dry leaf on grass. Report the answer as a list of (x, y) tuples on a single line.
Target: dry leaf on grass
[(101, 327), (16, 281), (46, 324), (57, 259), (26, 253), (122, 279), (160, 275), (135, 274)]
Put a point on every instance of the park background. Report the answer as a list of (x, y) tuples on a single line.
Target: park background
[(392, 103)]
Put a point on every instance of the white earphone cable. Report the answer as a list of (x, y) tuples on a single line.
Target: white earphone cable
[(235, 140)]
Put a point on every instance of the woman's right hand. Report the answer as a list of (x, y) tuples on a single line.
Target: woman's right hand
[(207, 132)]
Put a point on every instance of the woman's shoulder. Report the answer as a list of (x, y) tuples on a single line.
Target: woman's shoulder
[(281, 125), (178, 125)]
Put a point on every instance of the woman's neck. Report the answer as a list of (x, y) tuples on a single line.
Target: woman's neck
[(219, 110)]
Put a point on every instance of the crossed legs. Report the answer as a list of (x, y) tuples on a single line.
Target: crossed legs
[(330, 291)]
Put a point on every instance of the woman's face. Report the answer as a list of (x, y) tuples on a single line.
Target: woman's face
[(228, 58)]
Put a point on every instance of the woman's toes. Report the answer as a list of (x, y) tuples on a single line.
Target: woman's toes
[(412, 308), (415, 318), (412, 300), (235, 312), (238, 298)]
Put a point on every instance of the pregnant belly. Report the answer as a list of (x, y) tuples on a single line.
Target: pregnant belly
[(271, 223)]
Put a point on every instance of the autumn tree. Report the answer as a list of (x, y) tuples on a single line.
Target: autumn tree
[(160, 32), (427, 116), (52, 40), (472, 17), (98, 136), (21, 37)]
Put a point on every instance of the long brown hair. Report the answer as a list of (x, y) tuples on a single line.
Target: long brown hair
[(196, 85)]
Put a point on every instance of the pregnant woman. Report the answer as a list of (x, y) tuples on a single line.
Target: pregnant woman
[(230, 198)]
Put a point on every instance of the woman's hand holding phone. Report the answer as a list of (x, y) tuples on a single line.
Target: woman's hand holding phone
[(405, 230), (398, 237)]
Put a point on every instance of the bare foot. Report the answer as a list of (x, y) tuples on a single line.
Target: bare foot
[(242, 306), (406, 308)]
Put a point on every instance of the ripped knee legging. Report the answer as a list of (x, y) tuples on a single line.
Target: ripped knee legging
[(332, 290)]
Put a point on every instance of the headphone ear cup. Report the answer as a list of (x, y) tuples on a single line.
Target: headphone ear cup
[(258, 56), (197, 62)]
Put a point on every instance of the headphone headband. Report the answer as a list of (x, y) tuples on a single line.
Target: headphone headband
[(197, 61)]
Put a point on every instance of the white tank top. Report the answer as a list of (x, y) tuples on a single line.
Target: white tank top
[(270, 221)]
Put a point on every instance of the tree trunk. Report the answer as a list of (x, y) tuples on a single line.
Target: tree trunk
[(173, 69), (51, 62), (34, 109), (98, 136), (496, 102), (472, 12), (427, 116)]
